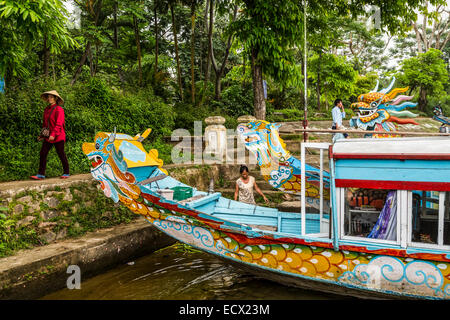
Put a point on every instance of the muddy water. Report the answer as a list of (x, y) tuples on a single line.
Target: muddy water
[(173, 274)]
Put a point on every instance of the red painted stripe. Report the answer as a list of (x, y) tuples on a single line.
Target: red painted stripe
[(402, 156), (400, 185)]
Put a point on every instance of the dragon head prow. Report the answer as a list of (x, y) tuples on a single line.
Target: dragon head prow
[(112, 155), (381, 111), (262, 138)]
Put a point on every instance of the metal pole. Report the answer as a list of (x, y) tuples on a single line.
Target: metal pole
[(303, 189), (321, 191), (305, 114), (402, 133)]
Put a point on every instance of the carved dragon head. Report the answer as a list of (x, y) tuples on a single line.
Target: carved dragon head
[(381, 110), (111, 155), (262, 138)]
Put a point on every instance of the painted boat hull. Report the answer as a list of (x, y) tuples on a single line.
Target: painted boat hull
[(288, 258), (293, 262)]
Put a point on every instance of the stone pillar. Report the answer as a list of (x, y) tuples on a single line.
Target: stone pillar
[(246, 118), (215, 140)]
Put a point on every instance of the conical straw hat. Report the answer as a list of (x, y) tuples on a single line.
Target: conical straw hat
[(59, 100)]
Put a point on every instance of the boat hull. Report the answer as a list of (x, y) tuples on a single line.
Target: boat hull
[(312, 263), (292, 263)]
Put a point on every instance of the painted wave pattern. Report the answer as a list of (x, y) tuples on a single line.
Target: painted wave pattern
[(353, 269)]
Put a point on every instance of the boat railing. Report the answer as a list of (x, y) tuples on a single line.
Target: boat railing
[(356, 131), (324, 223)]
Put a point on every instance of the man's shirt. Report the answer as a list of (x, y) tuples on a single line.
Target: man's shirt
[(338, 115)]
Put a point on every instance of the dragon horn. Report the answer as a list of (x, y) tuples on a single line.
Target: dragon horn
[(385, 90), (112, 136), (376, 87)]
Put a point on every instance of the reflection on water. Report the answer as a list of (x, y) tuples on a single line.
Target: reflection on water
[(171, 274)]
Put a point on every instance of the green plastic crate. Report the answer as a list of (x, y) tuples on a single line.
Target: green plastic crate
[(181, 193)]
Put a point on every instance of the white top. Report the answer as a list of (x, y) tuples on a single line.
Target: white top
[(246, 190), (337, 115)]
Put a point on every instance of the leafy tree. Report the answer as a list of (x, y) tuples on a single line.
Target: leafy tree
[(23, 22), (427, 72), (270, 29), (333, 76)]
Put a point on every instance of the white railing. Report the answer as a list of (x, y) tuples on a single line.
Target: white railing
[(324, 223)]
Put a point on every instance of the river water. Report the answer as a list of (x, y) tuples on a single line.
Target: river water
[(174, 273)]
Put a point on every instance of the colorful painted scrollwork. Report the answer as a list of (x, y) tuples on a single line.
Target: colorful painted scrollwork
[(278, 167)]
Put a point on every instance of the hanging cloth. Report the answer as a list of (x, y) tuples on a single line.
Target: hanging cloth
[(386, 225)]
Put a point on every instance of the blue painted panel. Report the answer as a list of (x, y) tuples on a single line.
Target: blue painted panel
[(142, 173), (291, 226), (268, 221), (207, 208), (209, 198), (394, 170)]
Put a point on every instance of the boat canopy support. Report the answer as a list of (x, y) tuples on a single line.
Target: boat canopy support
[(324, 223)]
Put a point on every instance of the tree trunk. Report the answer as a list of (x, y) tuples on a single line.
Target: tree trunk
[(318, 83), (46, 57), (138, 46), (205, 25), (156, 38), (176, 52), (219, 71), (208, 58), (192, 51), (116, 40), (422, 99), (258, 90), (91, 62), (97, 22), (81, 64), (218, 87)]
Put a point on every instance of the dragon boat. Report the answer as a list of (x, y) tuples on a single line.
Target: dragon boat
[(386, 233)]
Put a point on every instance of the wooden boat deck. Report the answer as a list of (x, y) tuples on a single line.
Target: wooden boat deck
[(227, 210)]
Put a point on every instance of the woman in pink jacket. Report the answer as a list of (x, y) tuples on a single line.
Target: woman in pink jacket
[(54, 120)]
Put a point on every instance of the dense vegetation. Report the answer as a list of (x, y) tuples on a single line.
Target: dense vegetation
[(165, 64)]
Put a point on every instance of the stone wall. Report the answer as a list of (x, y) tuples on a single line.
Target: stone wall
[(40, 214)]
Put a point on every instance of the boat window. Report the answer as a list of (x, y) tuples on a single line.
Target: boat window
[(371, 213), (430, 220)]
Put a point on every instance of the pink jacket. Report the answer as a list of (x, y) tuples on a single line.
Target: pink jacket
[(56, 123)]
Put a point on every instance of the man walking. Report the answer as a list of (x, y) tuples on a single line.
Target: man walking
[(338, 113)]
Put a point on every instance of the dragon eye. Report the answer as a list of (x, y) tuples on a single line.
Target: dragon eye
[(373, 104), (249, 126), (97, 146)]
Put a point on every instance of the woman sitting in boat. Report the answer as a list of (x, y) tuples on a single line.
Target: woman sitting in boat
[(244, 187)]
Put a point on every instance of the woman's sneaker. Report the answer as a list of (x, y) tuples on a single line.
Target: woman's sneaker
[(38, 177), (65, 176)]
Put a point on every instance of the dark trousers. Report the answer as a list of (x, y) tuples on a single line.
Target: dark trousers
[(59, 146), (334, 128)]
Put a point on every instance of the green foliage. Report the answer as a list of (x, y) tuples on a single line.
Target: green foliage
[(89, 108), (24, 21), (272, 28), (337, 76), (237, 100), (427, 70), (14, 238)]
